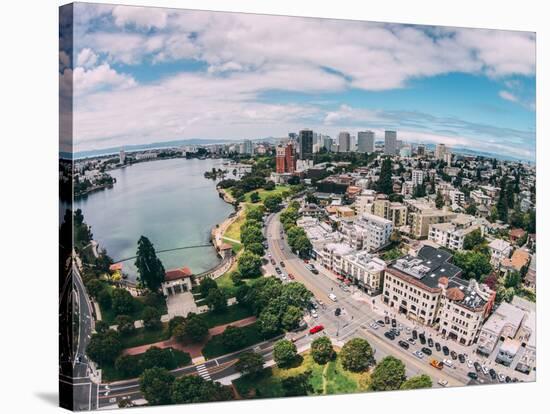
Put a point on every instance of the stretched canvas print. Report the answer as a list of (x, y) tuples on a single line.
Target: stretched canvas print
[(257, 206)]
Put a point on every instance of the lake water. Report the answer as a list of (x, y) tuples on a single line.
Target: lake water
[(168, 201)]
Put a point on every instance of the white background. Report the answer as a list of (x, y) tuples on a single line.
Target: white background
[(28, 206)]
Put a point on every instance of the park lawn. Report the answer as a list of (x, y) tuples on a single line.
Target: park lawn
[(225, 283), (325, 379), (109, 373), (144, 336), (279, 189), (215, 348)]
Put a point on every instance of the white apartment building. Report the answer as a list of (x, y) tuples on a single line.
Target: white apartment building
[(318, 233), (407, 188), (378, 231), (332, 256), (456, 197), (365, 271), (428, 289), (479, 198), (500, 249), (451, 235), (417, 177)]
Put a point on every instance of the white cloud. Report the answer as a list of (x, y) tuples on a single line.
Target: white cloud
[(86, 58), (508, 96), (86, 80), (146, 17)]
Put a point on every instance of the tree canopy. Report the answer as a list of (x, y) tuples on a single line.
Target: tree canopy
[(357, 355), (389, 374), (150, 268)]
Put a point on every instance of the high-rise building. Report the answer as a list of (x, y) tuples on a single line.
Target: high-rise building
[(327, 143), (305, 142), (344, 142), (248, 147), (417, 177), (421, 150), (122, 157), (365, 141), (285, 159), (390, 142), (440, 151)]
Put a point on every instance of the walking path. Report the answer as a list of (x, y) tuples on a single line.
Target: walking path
[(194, 350)]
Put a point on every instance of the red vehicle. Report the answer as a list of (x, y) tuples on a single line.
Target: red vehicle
[(315, 329), (291, 276)]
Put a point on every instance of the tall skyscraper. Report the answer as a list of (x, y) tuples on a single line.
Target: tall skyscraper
[(305, 142), (421, 150), (390, 142), (327, 143), (248, 147), (122, 157), (344, 142), (440, 151), (365, 141)]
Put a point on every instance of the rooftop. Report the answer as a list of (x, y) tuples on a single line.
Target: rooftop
[(175, 274)]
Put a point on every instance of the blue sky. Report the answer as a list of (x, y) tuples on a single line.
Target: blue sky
[(142, 75)]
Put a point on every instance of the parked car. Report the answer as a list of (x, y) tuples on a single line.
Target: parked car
[(332, 297), (443, 382), (291, 276), (395, 332), (315, 329), (445, 350), (430, 342), (427, 351), (314, 313), (415, 334), (469, 363), (472, 375), (501, 377), (436, 364), (403, 344), (448, 362), (278, 270), (508, 379), (477, 366), (461, 358), (380, 322), (411, 341), (282, 263), (374, 325), (454, 355), (493, 374), (272, 261), (437, 346), (422, 339), (389, 335), (393, 323), (485, 370)]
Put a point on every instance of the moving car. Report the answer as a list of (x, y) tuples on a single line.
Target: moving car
[(436, 364), (312, 269), (403, 344), (332, 297), (315, 329)]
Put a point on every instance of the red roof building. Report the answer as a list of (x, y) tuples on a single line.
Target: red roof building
[(175, 274)]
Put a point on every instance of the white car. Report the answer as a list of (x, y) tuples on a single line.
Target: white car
[(332, 297), (470, 363), (443, 382), (374, 325), (484, 369), (418, 354), (501, 377), (448, 362), (314, 314)]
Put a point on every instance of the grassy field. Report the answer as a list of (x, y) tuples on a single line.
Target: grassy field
[(264, 193), (144, 336), (233, 313), (110, 373), (325, 379), (215, 347)]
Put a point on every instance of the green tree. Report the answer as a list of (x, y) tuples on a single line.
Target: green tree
[(512, 280), (233, 338), (216, 300), (151, 318), (123, 302), (256, 248), (206, 284), (251, 234), (356, 355), (156, 384), (474, 264), (255, 197), (250, 265), (388, 375), (384, 183), (150, 268), (471, 209), (439, 202), (417, 382), (297, 385), (250, 363), (296, 294), (268, 323), (322, 350), (196, 328), (473, 240), (101, 326), (178, 332), (255, 214), (284, 353), (104, 348), (195, 389), (127, 366), (105, 299), (273, 202), (157, 357), (291, 318)]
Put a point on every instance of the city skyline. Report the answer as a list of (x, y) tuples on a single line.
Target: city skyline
[(146, 75)]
